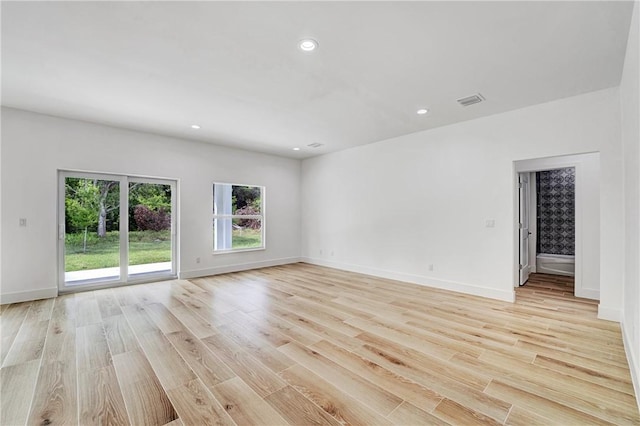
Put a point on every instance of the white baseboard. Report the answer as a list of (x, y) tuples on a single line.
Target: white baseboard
[(587, 294), (196, 273), (504, 295), (633, 361), (609, 314), (26, 296)]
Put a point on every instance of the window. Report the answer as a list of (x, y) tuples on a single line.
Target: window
[(238, 217)]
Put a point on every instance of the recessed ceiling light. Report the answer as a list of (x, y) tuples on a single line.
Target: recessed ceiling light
[(195, 126), (296, 149), (422, 111), (307, 45)]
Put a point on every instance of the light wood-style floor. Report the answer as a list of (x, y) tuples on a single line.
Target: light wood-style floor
[(301, 345), (558, 285)]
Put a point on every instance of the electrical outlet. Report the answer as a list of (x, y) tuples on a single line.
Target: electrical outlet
[(23, 221), (320, 252), (431, 267), (197, 260)]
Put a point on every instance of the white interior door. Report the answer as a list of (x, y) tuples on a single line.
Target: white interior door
[(524, 265)]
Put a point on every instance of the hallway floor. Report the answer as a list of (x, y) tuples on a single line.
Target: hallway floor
[(555, 292)]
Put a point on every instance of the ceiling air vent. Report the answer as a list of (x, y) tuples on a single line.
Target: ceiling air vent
[(315, 145), (470, 100)]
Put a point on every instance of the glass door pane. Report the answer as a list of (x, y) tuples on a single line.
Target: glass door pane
[(150, 228), (91, 230)]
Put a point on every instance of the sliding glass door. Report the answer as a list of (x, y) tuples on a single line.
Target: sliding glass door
[(115, 230), (91, 233), (150, 208)]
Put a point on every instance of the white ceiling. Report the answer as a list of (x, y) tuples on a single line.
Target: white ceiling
[(234, 67)]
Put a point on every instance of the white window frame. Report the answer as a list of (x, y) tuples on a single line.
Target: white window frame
[(260, 217)]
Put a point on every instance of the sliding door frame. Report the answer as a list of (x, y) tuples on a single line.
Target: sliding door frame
[(124, 278), (174, 215)]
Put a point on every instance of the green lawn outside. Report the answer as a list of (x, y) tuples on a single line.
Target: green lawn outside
[(144, 247), (246, 238)]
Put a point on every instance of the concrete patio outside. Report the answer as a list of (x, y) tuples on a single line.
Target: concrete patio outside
[(76, 277)]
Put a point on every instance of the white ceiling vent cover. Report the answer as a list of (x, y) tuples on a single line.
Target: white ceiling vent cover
[(315, 145), (470, 100)]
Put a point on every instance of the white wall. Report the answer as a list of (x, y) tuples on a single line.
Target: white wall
[(629, 97), (394, 207), (35, 146)]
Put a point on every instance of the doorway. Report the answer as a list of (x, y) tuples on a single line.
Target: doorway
[(114, 230), (547, 227), (574, 242)]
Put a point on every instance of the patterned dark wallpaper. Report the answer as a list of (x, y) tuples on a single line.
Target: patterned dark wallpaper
[(556, 211)]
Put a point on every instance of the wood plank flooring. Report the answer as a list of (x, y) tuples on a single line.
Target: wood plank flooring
[(300, 344), (562, 285)]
